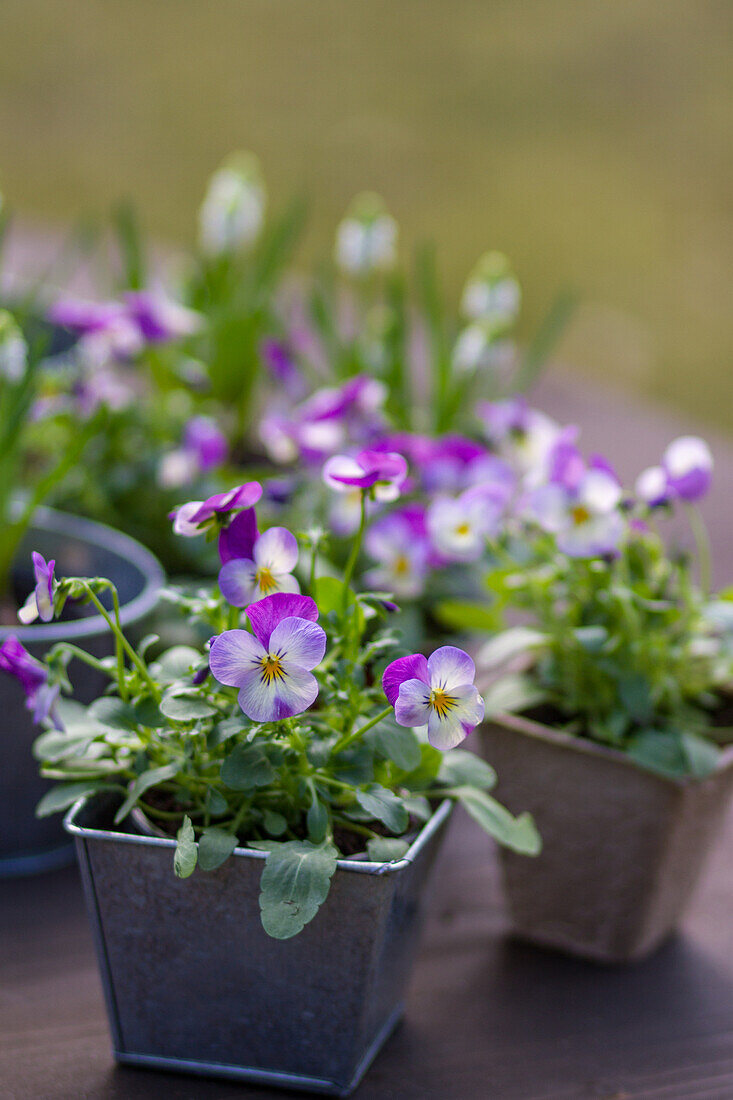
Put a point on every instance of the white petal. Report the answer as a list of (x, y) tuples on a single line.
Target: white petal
[(234, 654), (265, 700), (466, 713), (299, 642), (450, 668), (277, 550)]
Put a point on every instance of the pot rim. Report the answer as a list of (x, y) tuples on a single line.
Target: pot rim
[(108, 538), (369, 867), (518, 723)]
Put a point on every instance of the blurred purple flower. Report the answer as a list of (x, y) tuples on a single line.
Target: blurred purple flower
[(193, 518), (399, 543), (41, 696), (384, 473), (688, 464), (40, 602)]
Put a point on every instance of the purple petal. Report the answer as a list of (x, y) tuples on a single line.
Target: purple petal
[(237, 581), (450, 667), (342, 472), (412, 707), (264, 615), (465, 713), (184, 519), (299, 642), (238, 539), (277, 550), (414, 667), (203, 437), (265, 699), (243, 496), (234, 654)]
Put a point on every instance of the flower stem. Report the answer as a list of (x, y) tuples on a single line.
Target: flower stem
[(356, 547), (117, 632), (702, 544), (349, 738)]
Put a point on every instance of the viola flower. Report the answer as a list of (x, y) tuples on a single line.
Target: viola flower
[(160, 319), (688, 464), (652, 487), (41, 696), (459, 526), (273, 666), (107, 330), (521, 435), (585, 519), (196, 516), (366, 240), (237, 540), (233, 211), (13, 349), (398, 542), (274, 556), (383, 474), (204, 448), (282, 367), (492, 295), (40, 602), (437, 694)]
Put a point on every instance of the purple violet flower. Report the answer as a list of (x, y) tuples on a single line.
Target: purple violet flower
[(193, 518), (40, 602), (437, 694), (586, 519), (688, 464), (203, 437), (268, 570), (399, 543), (282, 367), (273, 666), (41, 696), (459, 526), (383, 473), (237, 540), (159, 319)]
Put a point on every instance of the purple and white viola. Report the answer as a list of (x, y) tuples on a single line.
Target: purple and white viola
[(40, 694), (437, 694), (196, 516), (399, 544), (39, 604), (268, 570), (383, 474), (272, 667)]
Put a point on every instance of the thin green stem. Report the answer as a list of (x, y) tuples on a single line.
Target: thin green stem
[(353, 556), (124, 642), (350, 738), (702, 543)]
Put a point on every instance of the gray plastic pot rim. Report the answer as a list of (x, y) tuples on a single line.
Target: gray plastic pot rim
[(517, 723), (99, 534), (368, 867)]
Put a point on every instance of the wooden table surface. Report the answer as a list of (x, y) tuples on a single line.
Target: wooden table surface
[(486, 1018)]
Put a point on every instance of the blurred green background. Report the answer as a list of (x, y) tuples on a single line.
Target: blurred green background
[(589, 140)]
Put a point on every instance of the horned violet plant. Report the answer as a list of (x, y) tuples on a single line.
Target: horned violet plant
[(298, 729)]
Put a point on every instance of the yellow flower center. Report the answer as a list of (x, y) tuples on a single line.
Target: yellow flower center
[(580, 514), (265, 580), (463, 529), (441, 702), (401, 566), (271, 669)]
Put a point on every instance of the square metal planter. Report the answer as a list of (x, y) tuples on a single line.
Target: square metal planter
[(194, 984), (622, 847)]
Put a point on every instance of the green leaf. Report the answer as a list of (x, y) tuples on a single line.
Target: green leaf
[(591, 638), (397, 743), (185, 706), (518, 833), (507, 645), (175, 664), (702, 755), (245, 768), (186, 854), (215, 846), (317, 821), (294, 884), (512, 693), (222, 731), (636, 696), (63, 796), (148, 779), (114, 714), (659, 752), (55, 745), (71, 714), (274, 823), (386, 849), (464, 769), (148, 713), (422, 776), (385, 806), (216, 803), (464, 615)]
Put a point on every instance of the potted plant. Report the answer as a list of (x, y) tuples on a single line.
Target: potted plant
[(278, 771), (27, 478), (610, 705)]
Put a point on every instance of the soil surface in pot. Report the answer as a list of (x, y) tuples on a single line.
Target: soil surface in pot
[(349, 844)]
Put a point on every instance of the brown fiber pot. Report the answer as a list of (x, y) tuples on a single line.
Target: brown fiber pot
[(622, 847)]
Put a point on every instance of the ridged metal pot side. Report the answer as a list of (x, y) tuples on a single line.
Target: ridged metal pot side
[(80, 548), (194, 984), (623, 847)]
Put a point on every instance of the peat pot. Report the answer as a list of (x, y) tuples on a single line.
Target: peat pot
[(194, 984), (622, 847), (81, 548)]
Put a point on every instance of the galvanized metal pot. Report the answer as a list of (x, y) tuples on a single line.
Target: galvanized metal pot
[(622, 847), (194, 984), (81, 548)]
